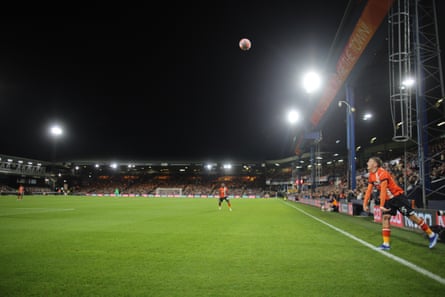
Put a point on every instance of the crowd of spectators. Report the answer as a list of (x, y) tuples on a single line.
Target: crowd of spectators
[(6, 189), (404, 168), (147, 185)]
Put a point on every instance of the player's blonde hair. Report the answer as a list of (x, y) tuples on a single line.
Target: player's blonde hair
[(378, 161)]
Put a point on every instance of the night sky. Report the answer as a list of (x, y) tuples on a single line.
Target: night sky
[(169, 81)]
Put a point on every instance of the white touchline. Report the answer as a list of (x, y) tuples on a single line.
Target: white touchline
[(386, 254), (46, 208), (28, 210)]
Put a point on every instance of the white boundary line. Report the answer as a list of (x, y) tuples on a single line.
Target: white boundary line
[(386, 254), (29, 210), (44, 208)]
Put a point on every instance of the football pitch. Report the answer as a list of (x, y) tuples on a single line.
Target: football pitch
[(91, 246)]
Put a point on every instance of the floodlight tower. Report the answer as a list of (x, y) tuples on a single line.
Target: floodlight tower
[(415, 69)]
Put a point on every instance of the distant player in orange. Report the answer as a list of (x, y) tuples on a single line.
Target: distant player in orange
[(392, 199), (20, 192), (224, 195)]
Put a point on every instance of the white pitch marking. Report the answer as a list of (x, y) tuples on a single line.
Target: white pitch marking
[(29, 210), (386, 254)]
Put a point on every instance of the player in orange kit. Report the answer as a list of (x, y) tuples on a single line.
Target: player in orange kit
[(392, 199), (223, 195), (20, 192)]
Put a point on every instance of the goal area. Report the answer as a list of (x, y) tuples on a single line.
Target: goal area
[(168, 192)]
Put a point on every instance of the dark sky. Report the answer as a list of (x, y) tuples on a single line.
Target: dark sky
[(166, 81)]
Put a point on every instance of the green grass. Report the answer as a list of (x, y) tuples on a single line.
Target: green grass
[(85, 246)]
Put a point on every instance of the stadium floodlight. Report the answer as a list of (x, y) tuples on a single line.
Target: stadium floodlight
[(56, 130), (293, 116), (311, 82), (408, 82), (227, 166), (367, 116), (113, 165), (55, 133)]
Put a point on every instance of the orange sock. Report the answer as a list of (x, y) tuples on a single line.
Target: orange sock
[(228, 203), (386, 234), (425, 227)]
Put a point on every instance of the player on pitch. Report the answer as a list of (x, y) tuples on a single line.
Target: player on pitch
[(223, 195), (20, 192), (392, 199)]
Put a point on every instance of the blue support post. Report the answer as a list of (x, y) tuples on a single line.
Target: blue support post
[(350, 127)]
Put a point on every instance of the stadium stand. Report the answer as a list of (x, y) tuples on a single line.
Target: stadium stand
[(245, 179)]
